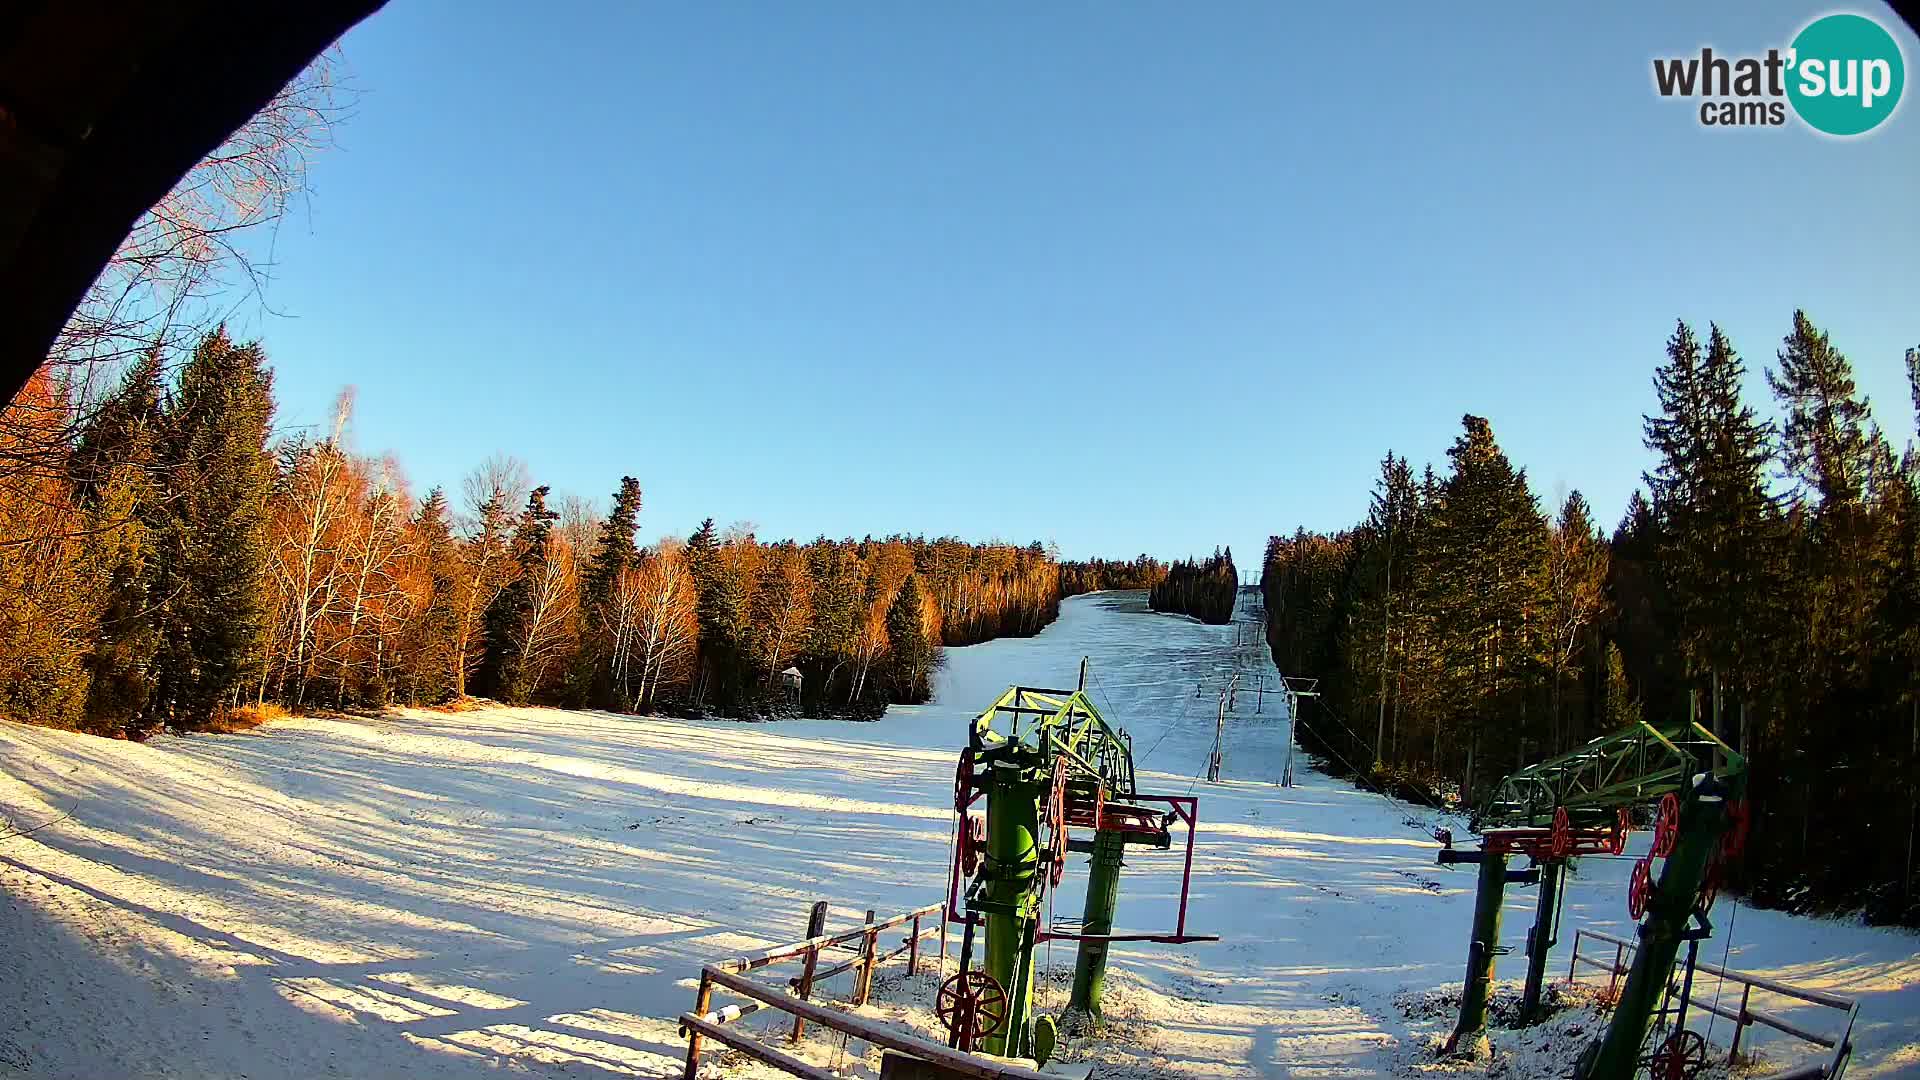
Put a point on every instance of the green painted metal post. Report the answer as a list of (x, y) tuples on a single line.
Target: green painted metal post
[(1013, 857), (1540, 940), (1481, 950), (1103, 893), (1660, 937)]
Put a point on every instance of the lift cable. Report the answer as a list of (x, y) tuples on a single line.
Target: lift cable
[(1195, 782), (1185, 712), (1725, 955), (1328, 709), (1361, 778)]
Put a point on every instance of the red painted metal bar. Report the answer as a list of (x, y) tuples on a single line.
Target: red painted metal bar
[(1538, 843), (1160, 939), (1192, 818), (953, 872), (1186, 808)]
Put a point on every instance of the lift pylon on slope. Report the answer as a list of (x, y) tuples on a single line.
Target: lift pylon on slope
[(1052, 765), (1580, 803)]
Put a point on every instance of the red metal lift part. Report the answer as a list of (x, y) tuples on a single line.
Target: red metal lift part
[(1184, 807)]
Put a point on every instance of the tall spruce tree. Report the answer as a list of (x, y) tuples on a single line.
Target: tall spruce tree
[(614, 555), (1490, 543), (114, 473), (504, 673), (210, 557), (434, 663), (911, 655), (703, 565), (1382, 546), (1829, 452), (1824, 443), (838, 592), (1721, 530)]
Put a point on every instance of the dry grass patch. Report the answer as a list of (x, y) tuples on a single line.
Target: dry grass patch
[(245, 718)]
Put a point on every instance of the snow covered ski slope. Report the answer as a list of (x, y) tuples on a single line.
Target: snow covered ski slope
[(527, 890)]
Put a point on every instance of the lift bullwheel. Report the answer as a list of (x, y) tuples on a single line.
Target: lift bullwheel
[(1733, 842), (1666, 826), (1056, 817), (1682, 1056), (1710, 883), (963, 781), (1640, 888), (973, 842), (971, 1005)]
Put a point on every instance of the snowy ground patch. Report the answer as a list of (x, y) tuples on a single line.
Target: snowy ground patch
[(532, 890)]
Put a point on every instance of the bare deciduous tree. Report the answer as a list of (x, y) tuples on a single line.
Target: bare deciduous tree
[(547, 635), (1577, 561), (211, 232), (667, 629), (492, 491)]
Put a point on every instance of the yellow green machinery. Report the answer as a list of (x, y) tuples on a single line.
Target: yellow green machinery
[(1044, 762), (1581, 803)]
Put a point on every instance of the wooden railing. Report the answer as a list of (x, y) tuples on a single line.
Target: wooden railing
[(706, 1022), (1840, 1044)]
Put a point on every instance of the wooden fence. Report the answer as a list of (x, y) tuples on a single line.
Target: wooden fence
[(729, 976), (1840, 1043)]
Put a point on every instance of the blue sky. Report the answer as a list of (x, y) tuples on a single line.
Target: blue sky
[(1129, 277)]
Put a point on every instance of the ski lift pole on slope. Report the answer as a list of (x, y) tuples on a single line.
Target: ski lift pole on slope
[(1294, 694)]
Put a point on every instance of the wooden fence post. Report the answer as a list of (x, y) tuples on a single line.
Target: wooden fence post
[(869, 948), (1740, 1025), (913, 947), (702, 1004), (816, 925)]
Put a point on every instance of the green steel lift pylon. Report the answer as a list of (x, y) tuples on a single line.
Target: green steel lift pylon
[(1579, 803), (1053, 764)]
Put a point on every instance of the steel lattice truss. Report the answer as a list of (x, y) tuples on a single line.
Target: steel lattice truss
[(1633, 765), (1061, 722)]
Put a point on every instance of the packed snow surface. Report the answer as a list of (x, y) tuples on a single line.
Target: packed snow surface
[(530, 891)]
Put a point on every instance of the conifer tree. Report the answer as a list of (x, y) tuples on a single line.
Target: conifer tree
[(614, 555), (1205, 589), (486, 562), (1490, 544), (1720, 527), (504, 673), (211, 549), (1828, 450), (433, 661), (703, 565), (616, 550), (911, 655), (838, 586), (1382, 548), (1803, 628), (1621, 707), (1824, 446), (115, 485)]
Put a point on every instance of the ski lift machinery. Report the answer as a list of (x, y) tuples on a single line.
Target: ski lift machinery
[(1581, 803), (1045, 762)]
